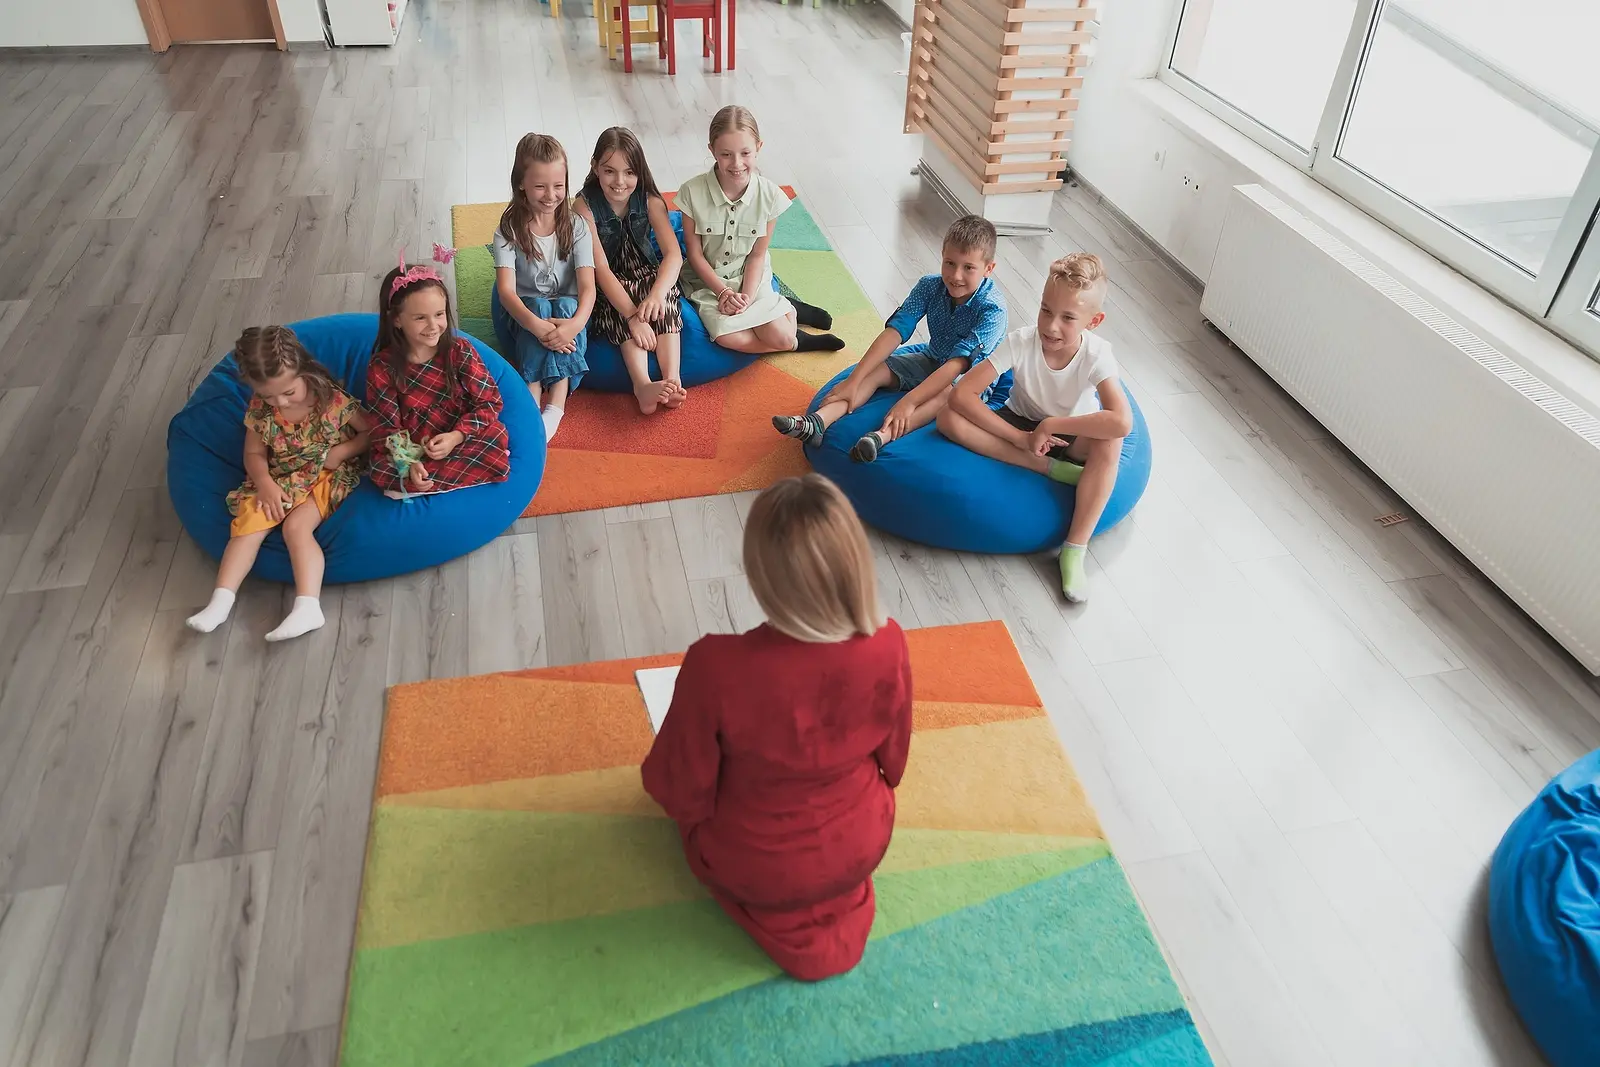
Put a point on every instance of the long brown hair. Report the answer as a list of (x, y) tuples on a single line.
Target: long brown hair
[(620, 139), (809, 563), (265, 352), (516, 222), (392, 342)]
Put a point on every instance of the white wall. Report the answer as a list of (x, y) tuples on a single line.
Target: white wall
[(52, 23), (1118, 137)]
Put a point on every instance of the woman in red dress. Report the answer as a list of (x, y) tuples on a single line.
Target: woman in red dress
[(436, 410), (780, 754)]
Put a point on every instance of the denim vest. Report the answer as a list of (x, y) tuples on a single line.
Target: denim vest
[(611, 227)]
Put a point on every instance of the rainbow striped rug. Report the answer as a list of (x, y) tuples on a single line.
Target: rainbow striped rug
[(526, 903)]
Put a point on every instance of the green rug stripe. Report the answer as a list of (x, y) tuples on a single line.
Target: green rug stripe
[(474, 278), (1123, 1042), (1064, 952), (447, 872), (821, 278), (568, 984), (796, 229)]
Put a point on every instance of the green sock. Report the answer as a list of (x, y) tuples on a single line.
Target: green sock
[(1064, 472), (1074, 583)]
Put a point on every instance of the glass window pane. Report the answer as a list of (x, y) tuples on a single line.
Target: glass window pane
[(1462, 110), (1272, 59)]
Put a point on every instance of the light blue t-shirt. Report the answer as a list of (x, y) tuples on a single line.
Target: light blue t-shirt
[(548, 275)]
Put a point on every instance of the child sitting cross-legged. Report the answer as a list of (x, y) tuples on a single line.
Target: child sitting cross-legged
[(1067, 414), (966, 318)]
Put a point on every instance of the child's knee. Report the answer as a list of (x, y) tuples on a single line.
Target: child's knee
[(949, 421), (1104, 451), (780, 334)]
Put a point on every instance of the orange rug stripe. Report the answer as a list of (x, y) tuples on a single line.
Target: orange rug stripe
[(944, 656)]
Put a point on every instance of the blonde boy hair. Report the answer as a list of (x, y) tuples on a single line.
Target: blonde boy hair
[(1081, 271), (809, 564)]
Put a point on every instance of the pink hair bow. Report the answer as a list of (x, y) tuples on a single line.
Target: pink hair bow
[(443, 253)]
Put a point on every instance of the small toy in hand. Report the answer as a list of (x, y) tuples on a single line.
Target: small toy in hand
[(406, 455)]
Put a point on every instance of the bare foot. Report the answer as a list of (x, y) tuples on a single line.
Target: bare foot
[(651, 395), (676, 394)]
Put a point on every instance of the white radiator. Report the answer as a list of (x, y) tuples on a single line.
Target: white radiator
[(1502, 464)]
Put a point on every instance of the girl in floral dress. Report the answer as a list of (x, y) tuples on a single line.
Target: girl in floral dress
[(304, 443), (436, 410)]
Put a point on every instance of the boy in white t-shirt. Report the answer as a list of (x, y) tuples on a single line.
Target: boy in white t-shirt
[(1067, 414)]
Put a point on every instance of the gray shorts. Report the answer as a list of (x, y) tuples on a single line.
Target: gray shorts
[(1027, 425), (911, 365)]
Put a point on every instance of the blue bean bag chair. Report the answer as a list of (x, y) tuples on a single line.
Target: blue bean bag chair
[(928, 489), (701, 359), (1544, 915), (369, 536)]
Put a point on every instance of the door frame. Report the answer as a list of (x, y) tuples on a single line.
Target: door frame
[(155, 24)]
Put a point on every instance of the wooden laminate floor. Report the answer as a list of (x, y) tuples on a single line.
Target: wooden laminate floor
[(1304, 732)]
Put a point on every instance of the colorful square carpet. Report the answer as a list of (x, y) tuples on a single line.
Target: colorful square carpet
[(721, 441), (525, 901)]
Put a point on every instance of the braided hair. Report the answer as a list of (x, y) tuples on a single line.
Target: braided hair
[(266, 352)]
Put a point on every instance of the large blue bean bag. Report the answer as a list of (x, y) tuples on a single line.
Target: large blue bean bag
[(928, 489), (369, 536), (1544, 915), (701, 359)]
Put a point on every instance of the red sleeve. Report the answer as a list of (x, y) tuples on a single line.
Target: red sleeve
[(384, 403), (480, 396), (897, 746), (681, 770)]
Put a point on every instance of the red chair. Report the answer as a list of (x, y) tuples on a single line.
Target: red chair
[(709, 12)]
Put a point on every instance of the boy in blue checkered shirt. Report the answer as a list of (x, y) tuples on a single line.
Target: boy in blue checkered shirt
[(966, 321)]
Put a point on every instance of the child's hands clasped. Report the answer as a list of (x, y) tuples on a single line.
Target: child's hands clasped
[(1040, 442), (441, 445), (418, 479), (651, 309), (731, 302)]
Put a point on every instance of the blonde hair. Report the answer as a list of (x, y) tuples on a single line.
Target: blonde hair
[(1081, 271), (731, 119), (809, 564)]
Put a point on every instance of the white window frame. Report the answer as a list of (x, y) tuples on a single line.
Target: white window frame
[(1557, 296)]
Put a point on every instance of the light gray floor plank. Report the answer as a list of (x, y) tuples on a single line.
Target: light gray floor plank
[(432, 623), (198, 999), (582, 620), (27, 921), (506, 622), (316, 873), (657, 615), (935, 583), (71, 734), (725, 605), (710, 536), (86, 1007), (244, 769), (310, 1048)]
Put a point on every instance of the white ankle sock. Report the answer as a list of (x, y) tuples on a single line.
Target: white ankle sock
[(213, 614), (552, 420), (305, 616)]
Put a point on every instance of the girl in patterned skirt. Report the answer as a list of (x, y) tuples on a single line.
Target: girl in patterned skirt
[(638, 279), (436, 410), (303, 448)]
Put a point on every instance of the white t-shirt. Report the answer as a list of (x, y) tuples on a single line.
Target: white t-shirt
[(1037, 391)]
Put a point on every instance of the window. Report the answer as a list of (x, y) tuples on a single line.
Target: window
[(1471, 126)]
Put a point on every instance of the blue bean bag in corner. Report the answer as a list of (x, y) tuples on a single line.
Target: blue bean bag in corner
[(369, 536), (1544, 915), (926, 488), (701, 359)]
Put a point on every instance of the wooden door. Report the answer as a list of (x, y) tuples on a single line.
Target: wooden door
[(217, 20)]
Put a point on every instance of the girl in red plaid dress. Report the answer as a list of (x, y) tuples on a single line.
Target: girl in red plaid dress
[(428, 384)]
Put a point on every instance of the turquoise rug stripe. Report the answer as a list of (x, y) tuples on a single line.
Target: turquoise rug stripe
[(1071, 949), (1180, 1048), (797, 229), (1097, 1044)]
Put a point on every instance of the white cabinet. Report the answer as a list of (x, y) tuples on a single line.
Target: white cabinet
[(356, 22)]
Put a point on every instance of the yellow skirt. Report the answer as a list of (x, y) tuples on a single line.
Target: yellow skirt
[(252, 519)]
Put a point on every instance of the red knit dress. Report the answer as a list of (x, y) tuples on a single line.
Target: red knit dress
[(419, 401), (778, 761)]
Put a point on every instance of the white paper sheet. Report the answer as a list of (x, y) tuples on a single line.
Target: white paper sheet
[(656, 684)]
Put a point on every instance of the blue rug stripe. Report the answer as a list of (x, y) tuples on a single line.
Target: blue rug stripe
[(1062, 952), (1089, 1045)]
